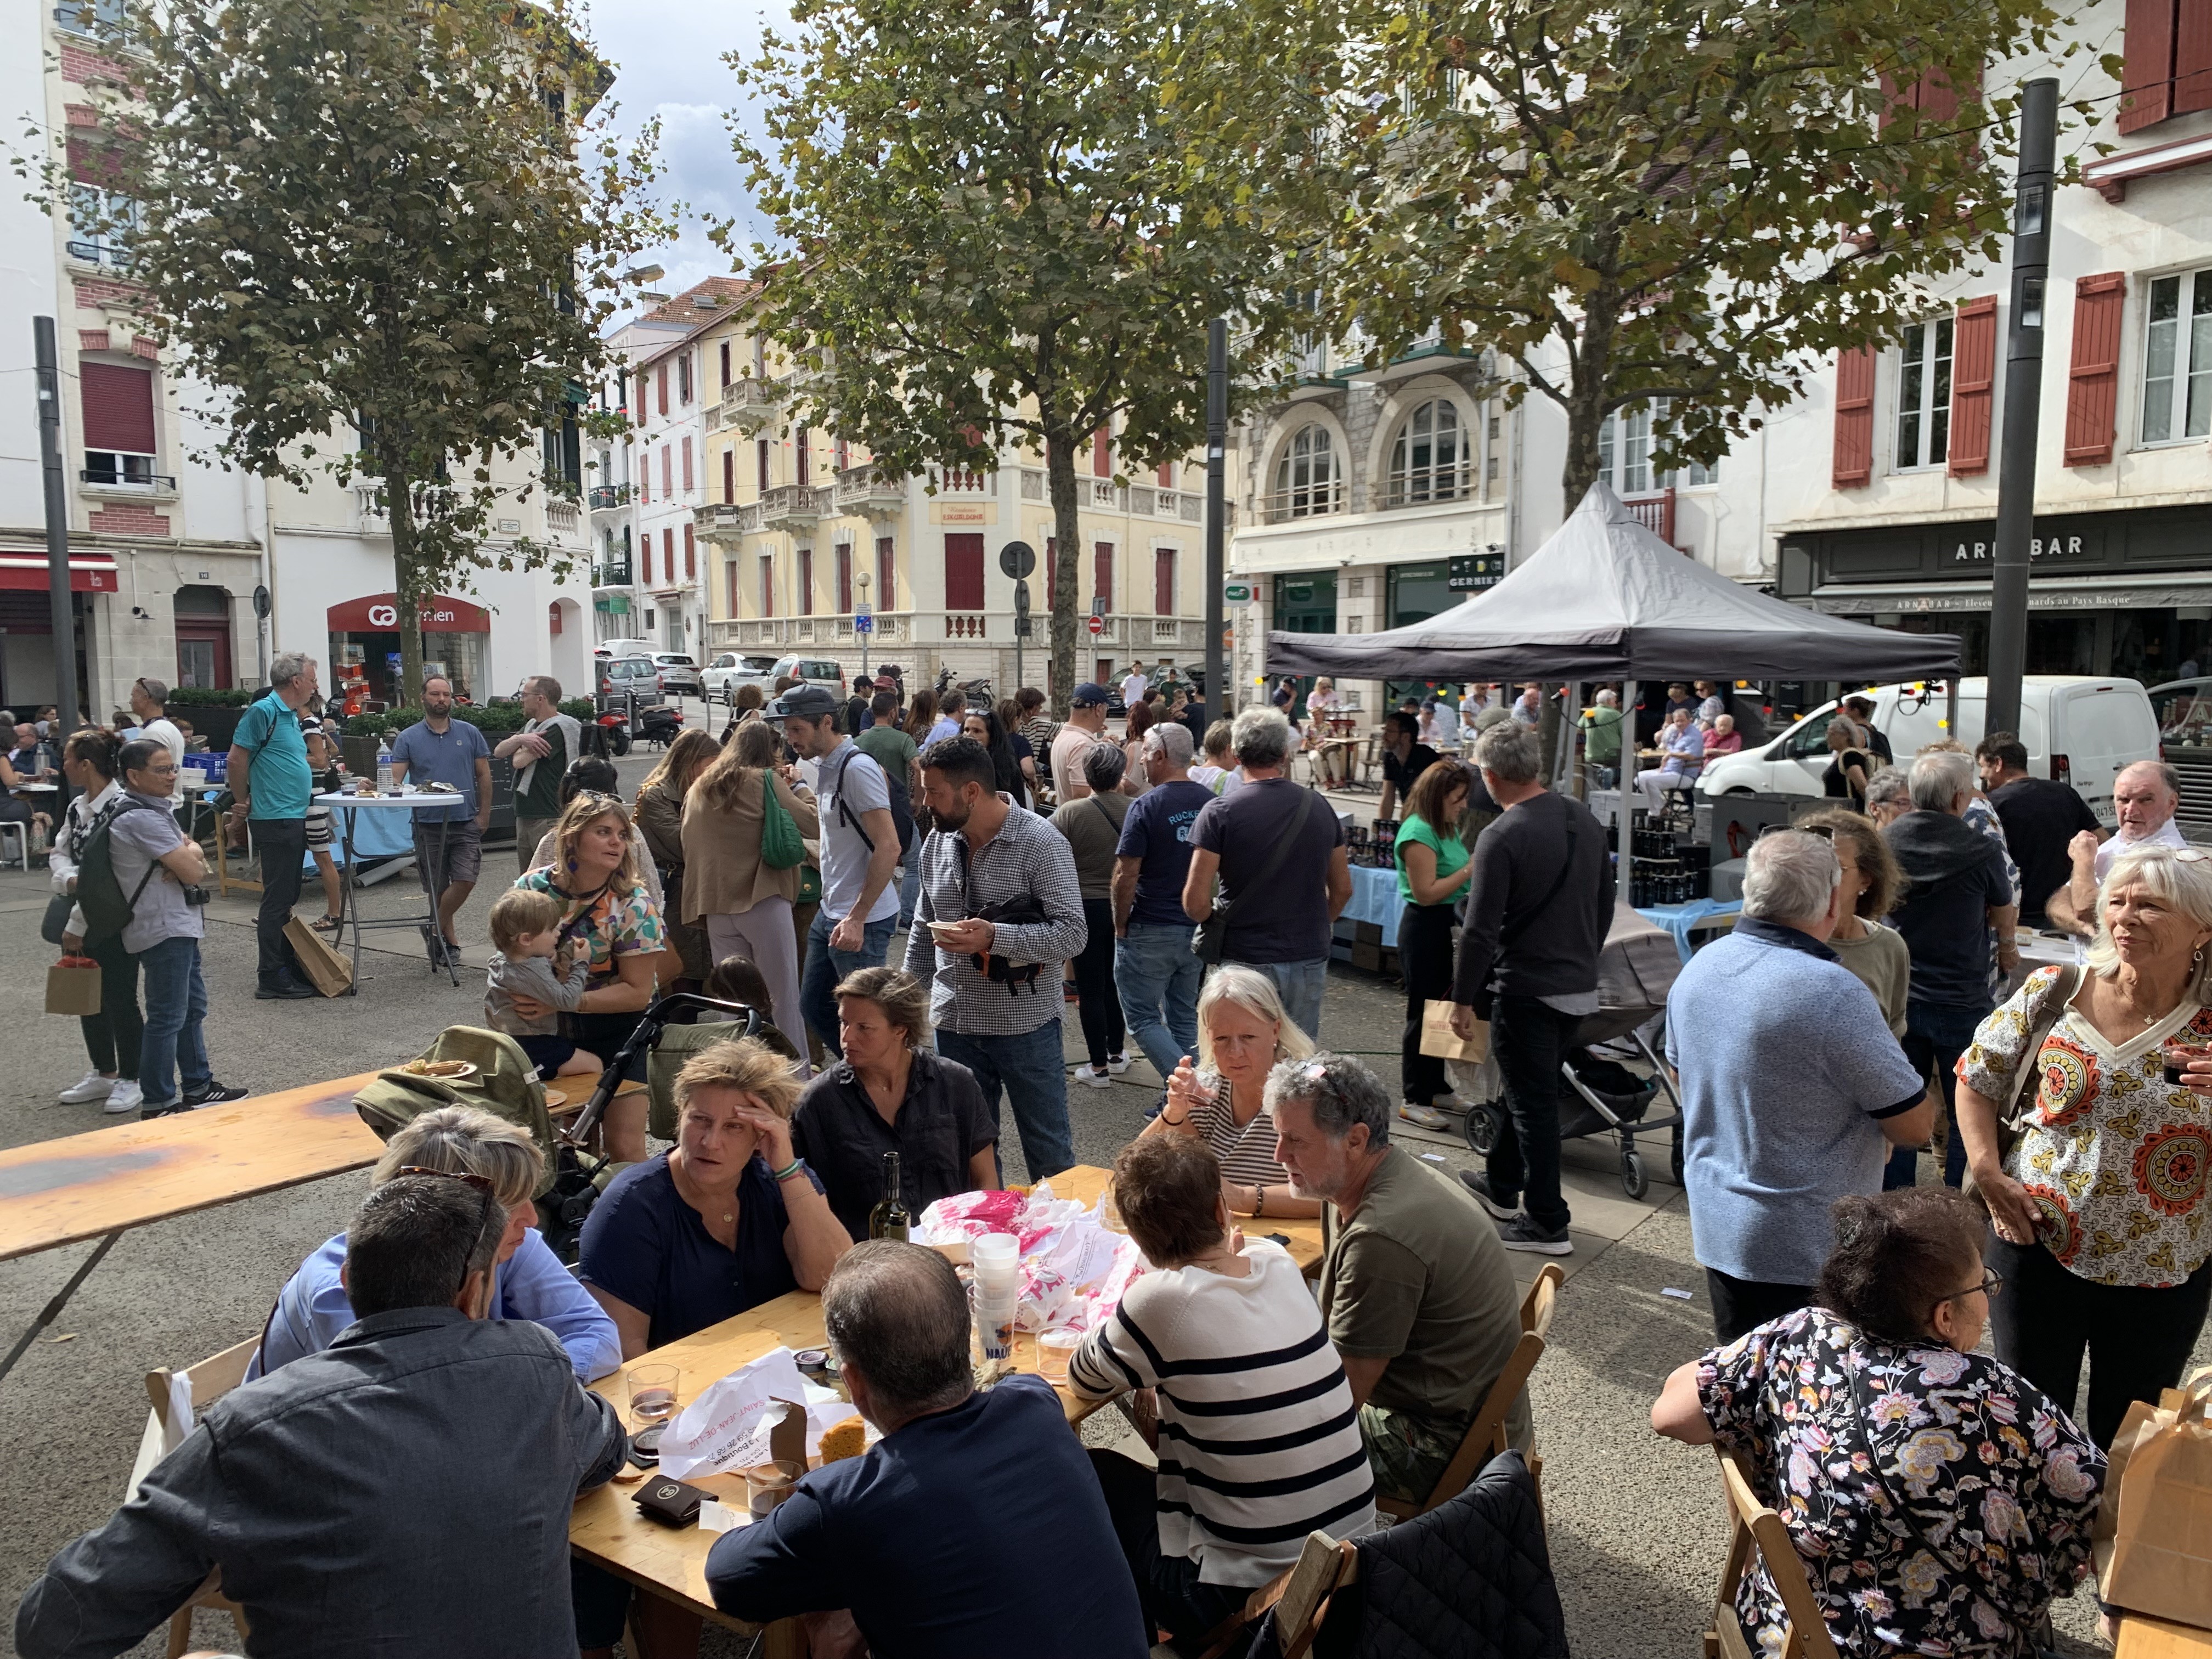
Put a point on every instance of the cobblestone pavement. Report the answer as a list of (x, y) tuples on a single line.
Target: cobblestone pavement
[(1635, 1529)]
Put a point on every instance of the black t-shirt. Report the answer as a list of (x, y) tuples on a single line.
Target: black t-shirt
[(942, 1123), (2040, 816), (1835, 784), (1289, 920), (1403, 774), (1946, 925)]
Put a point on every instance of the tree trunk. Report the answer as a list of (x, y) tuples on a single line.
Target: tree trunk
[(1586, 406), (1066, 588), (406, 581)]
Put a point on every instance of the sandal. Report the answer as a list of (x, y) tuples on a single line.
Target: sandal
[(328, 924)]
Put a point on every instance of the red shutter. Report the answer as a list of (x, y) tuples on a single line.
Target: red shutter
[(667, 471), (761, 450), (1163, 580), (1102, 577), (768, 585), (643, 381), (1854, 457), (802, 478), (119, 408), (663, 388), (1167, 475), (1101, 453), (1051, 572), (725, 366), (2093, 386), (668, 558), (805, 598), (729, 475), (964, 572), (2192, 56), (844, 579), (690, 556), (1973, 377), (553, 619), (729, 581), (2147, 82), (886, 576), (645, 558), (687, 464)]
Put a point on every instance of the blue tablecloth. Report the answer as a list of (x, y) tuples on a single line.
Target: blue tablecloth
[(1374, 898), (379, 832), (1680, 918)]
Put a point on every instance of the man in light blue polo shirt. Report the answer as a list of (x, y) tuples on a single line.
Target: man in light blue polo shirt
[(271, 784), (448, 839), (1793, 1089)]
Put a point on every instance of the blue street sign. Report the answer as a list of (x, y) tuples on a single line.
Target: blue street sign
[(864, 623)]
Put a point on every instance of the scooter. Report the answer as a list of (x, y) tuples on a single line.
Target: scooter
[(660, 724), (974, 690), (613, 729)]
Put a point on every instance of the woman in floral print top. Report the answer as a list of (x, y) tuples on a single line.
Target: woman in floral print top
[(2100, 1206), (1939, 1502)]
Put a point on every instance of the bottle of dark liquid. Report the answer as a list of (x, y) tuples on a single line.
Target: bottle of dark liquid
[(889, 1219)]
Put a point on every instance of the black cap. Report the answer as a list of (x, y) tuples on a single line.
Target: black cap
[(1090, 693), (808, 702)]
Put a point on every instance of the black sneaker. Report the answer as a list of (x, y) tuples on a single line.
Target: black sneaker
[(211, 1093), (1523, 1234), (288, 990), (1477, 1181)]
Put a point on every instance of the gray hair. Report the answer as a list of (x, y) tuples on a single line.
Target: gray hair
[(157, 691), (466, 1140), (2181, 882), (1608, 696), (1788, 876), (1173, 739), (897, 1313), (1512, 751), (2164, 773), (286, 666), (1261, 737), (1255, 994), (1938, 780), (1886, 784), (1102, 766), (1339, 1091), (545, 685)]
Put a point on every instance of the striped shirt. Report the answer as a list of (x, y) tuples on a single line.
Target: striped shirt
[(1259, 1439), (1247, 1155)]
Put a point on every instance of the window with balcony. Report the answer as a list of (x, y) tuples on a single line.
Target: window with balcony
[(1164, 581), (118, 407), (844, 579), (1307, 479), (729, 475), (767, 584), (803, 600), (963, 572), (886, 574), (1923, 395), (724, 384), (760, 450), (101, 222), (2177, 403), (1429, 459), (1102, 578)]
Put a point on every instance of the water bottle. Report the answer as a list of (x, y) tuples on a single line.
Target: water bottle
[(384, 766)]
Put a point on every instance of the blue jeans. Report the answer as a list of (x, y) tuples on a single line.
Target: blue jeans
[(1300, 985), (1033, 1070), (1153, 967), (1936, 1035), (176, 1007), (826, 968), (910, 886)]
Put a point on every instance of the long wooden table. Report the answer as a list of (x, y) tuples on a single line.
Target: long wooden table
[(608, 1530), (2154, 1638)]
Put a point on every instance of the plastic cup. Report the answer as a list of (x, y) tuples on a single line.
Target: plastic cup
[(1054, 1350), (2177, 1053), (768, 1484), (994, 1252)]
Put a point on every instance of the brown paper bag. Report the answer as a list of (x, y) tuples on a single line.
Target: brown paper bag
[(1440, 1041), (326, 970), (71, 989), (786, 1434), (2153, 1538)]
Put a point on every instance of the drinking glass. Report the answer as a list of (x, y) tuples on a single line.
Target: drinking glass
[(768, 1484), (1054, 1350), (652, 1402)]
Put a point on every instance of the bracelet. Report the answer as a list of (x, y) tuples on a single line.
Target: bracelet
[(1259, 1200), (791, 1169), (1173, 1122)]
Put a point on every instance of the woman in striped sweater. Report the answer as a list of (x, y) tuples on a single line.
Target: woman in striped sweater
[(1258, 1438)]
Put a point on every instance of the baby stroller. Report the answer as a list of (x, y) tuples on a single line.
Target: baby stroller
[(1635, 970)]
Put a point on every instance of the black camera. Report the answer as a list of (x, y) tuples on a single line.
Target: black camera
[(195, 894)]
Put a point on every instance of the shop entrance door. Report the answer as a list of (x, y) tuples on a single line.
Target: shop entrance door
[(203, 638)]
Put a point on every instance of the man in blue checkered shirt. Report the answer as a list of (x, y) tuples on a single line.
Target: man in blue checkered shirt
[(986, 852)]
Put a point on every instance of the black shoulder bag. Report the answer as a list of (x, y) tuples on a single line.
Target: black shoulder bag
[(1210, 942)]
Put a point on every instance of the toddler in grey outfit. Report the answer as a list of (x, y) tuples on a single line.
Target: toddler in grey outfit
[(533, 962)]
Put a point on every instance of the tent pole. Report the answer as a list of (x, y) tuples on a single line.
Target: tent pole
[(1626, 778), (1568, 726)]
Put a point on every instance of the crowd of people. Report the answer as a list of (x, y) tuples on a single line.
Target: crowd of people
[(1192, 903)]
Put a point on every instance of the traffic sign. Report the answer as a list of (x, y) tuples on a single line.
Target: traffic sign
[(1024, 628), (1016, 559), (1238, 593), (1097, 625), (1021, 598), (864, 623)]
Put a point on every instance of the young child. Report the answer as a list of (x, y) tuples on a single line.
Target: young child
[(533, 962), (736, 979), (322, 761)]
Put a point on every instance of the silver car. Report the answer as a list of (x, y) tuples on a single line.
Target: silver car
[(731, 670), (679, 673)]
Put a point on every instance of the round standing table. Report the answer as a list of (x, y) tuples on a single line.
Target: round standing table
[(348, 809)]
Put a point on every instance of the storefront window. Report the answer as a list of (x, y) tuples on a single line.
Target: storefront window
[(365, 650)]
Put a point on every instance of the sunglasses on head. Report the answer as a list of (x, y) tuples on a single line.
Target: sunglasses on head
[(1822, 831), (482, 1184)]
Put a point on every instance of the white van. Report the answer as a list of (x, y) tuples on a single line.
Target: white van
[(2077, 728), (628, 648)]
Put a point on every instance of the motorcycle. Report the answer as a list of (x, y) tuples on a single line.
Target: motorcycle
[(975, 691), (612, 730), (660, 724)]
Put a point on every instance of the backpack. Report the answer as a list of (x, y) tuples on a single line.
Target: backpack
[(100, 893), (505, 1083)]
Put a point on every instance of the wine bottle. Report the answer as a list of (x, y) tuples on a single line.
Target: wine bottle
[(889, 1219)]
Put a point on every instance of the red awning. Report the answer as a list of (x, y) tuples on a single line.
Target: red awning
[(379, 613), (26, 573)]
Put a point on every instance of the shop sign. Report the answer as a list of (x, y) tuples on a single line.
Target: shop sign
[(379, 613), (1471, 572)]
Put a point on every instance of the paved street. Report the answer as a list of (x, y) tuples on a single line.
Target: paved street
[(1635, 1529)]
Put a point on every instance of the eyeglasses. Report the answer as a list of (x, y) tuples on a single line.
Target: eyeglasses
[(1824, 831), (1991, 1283), (481, 1182)]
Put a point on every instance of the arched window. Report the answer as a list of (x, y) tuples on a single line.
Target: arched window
[(1429, 461), (1307, 481)]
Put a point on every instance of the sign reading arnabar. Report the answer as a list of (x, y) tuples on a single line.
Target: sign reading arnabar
[(379, 613)]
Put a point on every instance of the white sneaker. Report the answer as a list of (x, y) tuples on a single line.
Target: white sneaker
[(125, 1097), (1117, 1064), (1092, 1076), (89, 1087)]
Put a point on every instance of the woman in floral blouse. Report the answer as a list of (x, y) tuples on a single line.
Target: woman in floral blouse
[(608, 916), (2100, 1205), (1938, 1501)]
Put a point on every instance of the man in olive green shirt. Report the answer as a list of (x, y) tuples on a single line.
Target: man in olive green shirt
[(1416, 1288)]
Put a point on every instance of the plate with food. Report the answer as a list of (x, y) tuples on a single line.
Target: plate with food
[(446, 1071), (439, 789), (939, 929)]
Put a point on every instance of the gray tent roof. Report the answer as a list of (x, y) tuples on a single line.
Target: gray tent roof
[(1605, 598)]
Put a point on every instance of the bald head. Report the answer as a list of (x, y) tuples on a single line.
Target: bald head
[(2144, 797)]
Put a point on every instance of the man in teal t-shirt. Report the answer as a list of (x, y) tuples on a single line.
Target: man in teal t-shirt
[(271, 785)]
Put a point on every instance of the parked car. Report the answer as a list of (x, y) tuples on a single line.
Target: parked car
[(624, 648), (619, 676), (729, 670), (679, 673), (2183, 708), (2078, 728), (815, 671)]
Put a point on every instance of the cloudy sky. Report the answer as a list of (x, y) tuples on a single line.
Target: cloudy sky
[(669, 62)]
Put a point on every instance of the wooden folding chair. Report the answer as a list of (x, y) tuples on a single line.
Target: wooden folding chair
[(1805, 1636), (1299, 1598), (211, 1380), (1485, 1436)]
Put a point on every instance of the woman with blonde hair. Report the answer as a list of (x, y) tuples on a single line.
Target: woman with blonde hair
[(1242, 1031), (726, 1220), (610, 918), (2098, 1199), (660, 819), (743, 901), (529, 1282)]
